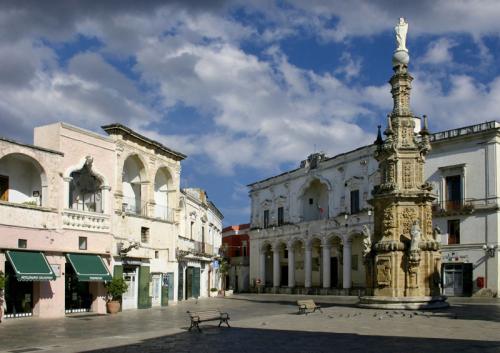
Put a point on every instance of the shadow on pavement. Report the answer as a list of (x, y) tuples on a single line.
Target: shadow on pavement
[(214, 339)]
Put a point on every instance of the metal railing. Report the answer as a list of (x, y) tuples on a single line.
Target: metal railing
[(468, 204), (134, 206), (464, 131), (164, 213)]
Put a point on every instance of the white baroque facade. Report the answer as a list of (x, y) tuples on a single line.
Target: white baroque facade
[(307, 224), (198, 245)]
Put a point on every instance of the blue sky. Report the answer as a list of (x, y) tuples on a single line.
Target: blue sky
[(245, 88)]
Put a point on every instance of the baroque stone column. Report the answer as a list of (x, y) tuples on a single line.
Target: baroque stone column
[(262, 267), (346, 264), (291, 265), (308, 264), (405, 254), (276, 265), (326, 264)]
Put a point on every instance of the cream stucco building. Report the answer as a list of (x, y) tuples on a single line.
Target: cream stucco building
[(76, 199), (307, 224)]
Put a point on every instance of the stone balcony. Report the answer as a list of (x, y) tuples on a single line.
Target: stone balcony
[(340, 225), (86, 221), (27, 215)]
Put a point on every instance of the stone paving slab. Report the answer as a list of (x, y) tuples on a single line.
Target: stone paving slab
[(266, 323)]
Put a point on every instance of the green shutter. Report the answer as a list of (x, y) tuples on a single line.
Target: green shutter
[(171, 284), (118, 271), (144, 283), (196, 282), (180, 287)]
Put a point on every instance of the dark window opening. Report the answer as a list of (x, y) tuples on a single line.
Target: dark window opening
[(454, 231), (144, 234), (453, 192), (354, 201), (82, 243), (280, 216), (22, 243), (266, 218), (311, 201)]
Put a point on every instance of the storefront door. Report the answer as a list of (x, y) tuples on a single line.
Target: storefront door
[(189, 282), (453, 280), (129, 298), (77, 293), (156, 289), (18, 294)]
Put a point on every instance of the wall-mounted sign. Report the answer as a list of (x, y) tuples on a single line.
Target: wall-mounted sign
[(215, 264), (57, 269)]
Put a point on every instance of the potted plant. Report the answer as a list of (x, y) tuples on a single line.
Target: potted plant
[(213, 292), (2, 288), (116, 287)]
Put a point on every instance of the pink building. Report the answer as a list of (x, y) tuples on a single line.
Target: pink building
[(78, 207)]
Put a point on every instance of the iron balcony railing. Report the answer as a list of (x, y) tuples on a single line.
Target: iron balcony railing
[(134, 205), (464, 205)]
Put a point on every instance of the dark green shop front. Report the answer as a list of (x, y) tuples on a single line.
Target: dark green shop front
[(22, 270), (80, 270)]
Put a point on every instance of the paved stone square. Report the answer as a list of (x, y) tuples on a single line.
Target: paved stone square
[(266, 323)]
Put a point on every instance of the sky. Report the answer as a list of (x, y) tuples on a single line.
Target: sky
[(247, 89)]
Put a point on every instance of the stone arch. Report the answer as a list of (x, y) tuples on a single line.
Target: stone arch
[(314, 196), (134, 184), (162, 187), (25, 179), (85, 186)]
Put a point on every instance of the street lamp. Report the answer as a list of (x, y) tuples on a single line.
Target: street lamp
[(490, 249)]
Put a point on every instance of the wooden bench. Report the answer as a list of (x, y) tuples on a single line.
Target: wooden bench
[(209, 315), (308, 306)]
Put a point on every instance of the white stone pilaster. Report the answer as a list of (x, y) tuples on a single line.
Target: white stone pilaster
[(262, 267), (346, 255), (308, 264), (276, 266), (291, 265), (326, 265)]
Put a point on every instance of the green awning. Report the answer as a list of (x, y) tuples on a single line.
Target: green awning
[(89, 267), (30, 266)]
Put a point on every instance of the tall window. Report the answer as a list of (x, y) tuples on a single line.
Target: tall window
[(144, 235), (85, 189), (453, 192), (266, 218), (281, 216), (354, 201), (454, 231), (191, 230)]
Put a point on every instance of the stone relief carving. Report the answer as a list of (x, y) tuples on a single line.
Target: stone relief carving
[(384, 276), (407, 174), (406, 220)]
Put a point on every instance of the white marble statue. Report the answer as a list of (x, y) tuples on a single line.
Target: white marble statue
[(401, 30), (415, 236), (437, 234), (367, 242)]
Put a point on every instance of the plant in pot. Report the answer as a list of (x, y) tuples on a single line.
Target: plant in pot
[(213, 292), (116, 287)]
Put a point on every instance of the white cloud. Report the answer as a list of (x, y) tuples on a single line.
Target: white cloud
[(439, 52)]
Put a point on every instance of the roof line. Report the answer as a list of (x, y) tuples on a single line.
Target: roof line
[(31, 146), (122, 128)]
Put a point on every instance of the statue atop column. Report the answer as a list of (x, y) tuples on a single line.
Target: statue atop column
[(401, 56), (405, 253), (401, 30)]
